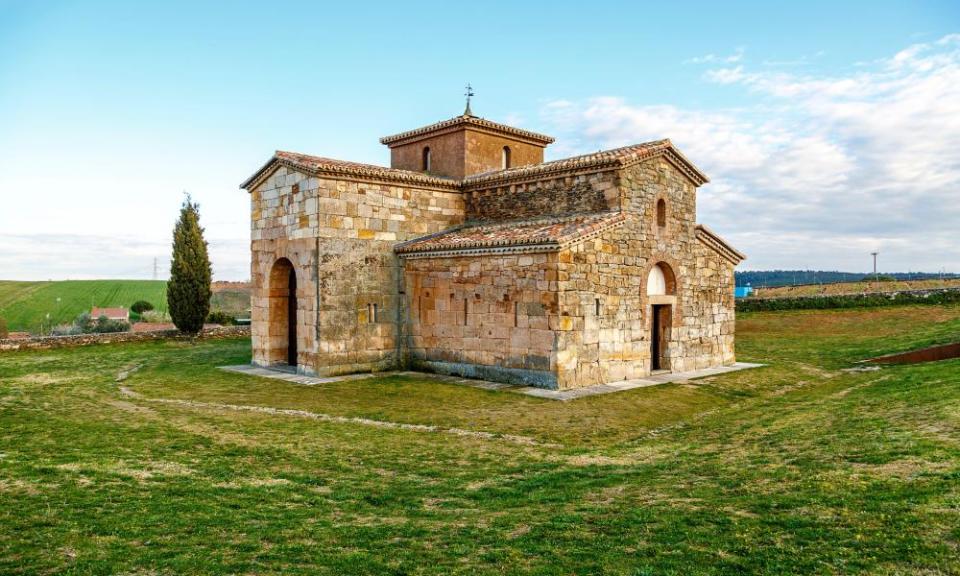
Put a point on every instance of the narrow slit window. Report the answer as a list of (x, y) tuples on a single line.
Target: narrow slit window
[(426, 159), (372, 313), (661, 213), (516, 314), (466, 310), (596, 306), (505, 158)]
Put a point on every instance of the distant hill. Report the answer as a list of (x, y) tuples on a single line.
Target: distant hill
[(26, 304), (771, 278)]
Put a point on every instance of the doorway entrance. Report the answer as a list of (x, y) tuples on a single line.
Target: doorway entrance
[(660, 336), (282, 333), (292, 318)]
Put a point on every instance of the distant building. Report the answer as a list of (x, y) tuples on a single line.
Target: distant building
[(471, 255), (119, 314), (743, 291)]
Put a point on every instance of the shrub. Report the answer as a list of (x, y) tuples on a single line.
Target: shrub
[(222, 318), (105, 325), (154, 316), (84, 323), (848, 301), (66, 330), (141, 306), (188, 291), (4, 332)]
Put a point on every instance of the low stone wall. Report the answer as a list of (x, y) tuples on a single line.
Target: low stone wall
[(51, 342)]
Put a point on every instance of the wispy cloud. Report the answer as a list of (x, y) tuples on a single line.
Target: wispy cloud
[(715, 59), (81, 256), (821, 169)]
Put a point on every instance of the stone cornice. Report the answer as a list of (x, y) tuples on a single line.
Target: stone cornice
[(601, 223), (603, 161), (322, 167), (710, 239), (460, 122)]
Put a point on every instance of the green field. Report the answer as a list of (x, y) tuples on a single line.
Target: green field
[(26, 304), (799, 467)]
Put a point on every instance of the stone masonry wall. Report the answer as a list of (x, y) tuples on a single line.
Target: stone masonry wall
[(463, 153), (77, 340), (490, 317), (584, 193), (613, 268), (339, 235)]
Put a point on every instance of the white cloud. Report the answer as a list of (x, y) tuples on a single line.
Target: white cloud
[(819, 170), (83, 257), (714, 59)]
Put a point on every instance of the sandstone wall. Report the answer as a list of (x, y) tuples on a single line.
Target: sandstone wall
[(340, 236), (491, 317), (583, 193), (463, 153), (613, 268)]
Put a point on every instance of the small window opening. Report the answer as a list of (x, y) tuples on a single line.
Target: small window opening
[(661, 213), (426, 159), (466, 310), (516, 314), (505, 159), (296, 188), (596, 306), (371, 313)]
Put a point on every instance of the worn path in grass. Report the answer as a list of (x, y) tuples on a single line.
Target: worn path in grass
[(794, 468)]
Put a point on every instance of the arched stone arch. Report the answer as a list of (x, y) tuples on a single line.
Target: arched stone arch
[(665, 267), (282, 333), (662, 310)]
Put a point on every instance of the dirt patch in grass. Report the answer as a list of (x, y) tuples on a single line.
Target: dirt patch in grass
[(254, 483), (903, 469), (138, 471)]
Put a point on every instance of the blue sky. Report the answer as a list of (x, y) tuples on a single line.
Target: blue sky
[(829, 129)]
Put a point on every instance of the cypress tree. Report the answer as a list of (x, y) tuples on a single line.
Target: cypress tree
[(188, 290)]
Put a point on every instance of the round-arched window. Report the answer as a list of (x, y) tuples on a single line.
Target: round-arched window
[(661, 281), (656, 282), (505, 158), (661, 213)]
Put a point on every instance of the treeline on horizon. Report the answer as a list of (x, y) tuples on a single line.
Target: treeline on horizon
[(772, 278)]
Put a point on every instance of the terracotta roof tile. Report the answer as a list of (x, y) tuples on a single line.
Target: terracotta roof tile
[(457, 121), (603, 160), (319, 165), (541, 233), (109, 312), (613, 158)]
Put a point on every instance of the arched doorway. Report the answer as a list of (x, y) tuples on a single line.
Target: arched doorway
[(283, 313), (661, 293)]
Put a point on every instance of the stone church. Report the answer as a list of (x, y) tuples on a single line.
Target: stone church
[(470, 255)]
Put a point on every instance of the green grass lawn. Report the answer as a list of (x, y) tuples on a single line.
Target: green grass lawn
[(25, 304), (795, 468)]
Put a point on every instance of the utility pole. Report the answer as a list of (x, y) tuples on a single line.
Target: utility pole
[(874, 254), (154, 267)]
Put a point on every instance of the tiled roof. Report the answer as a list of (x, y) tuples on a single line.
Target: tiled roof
[(318, 165), (109, 312), (614, 158), (525, 235), (597, 161), (719, 245), (458, 121)]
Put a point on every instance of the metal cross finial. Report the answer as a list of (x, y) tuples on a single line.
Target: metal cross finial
[(469, 94)]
